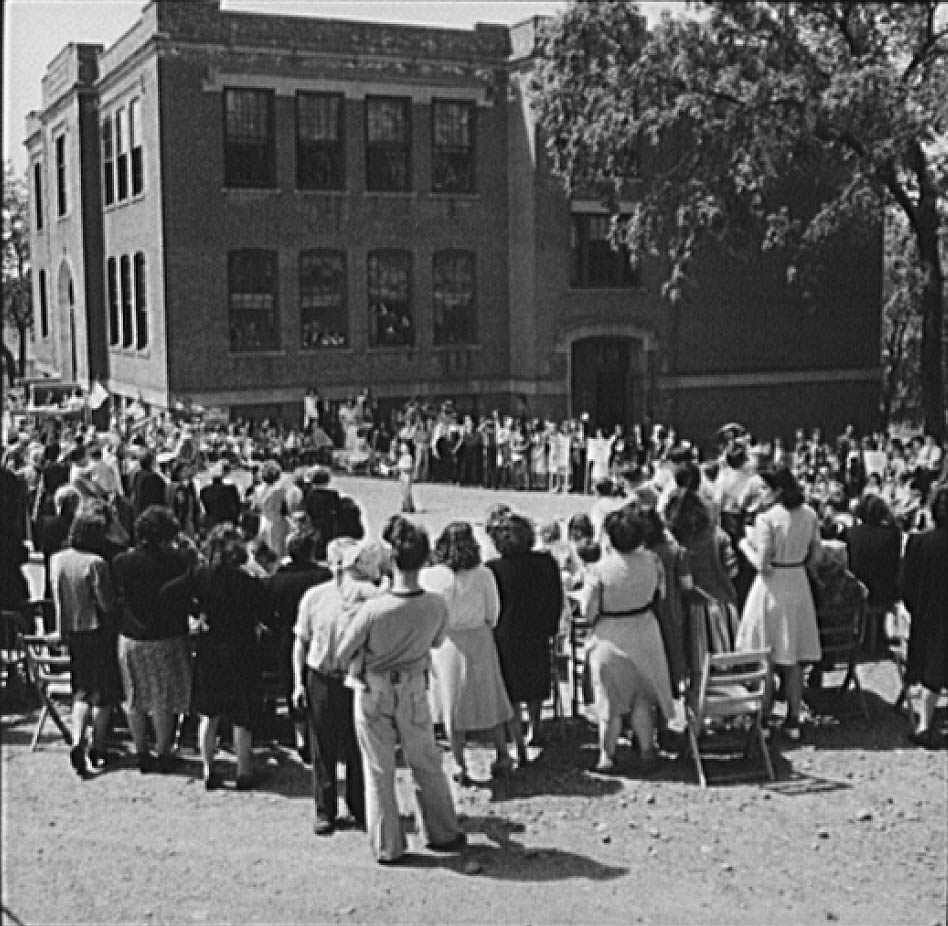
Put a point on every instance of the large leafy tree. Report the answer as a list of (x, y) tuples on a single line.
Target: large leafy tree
[(17, 290), (712, 111)]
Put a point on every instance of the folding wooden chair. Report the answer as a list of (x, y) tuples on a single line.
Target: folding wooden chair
[(578, 632), (558, 668), (732, 692), (13, 663), (48, 664), (841, 630)]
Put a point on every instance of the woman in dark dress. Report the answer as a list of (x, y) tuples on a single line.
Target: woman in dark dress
[(227, 604), (531, 602), (925, 593)]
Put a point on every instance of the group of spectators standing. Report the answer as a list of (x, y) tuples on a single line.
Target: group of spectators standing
[(180, 596)]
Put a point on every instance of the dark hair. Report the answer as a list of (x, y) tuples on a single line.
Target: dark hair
[(626, 529), (301, 546), (580, 527), (457, 547), (87, 532), (687, 515), (873, 510), (550, 532), (512, 535), (783, 481), (349, 518), (589, 551), (688, 476), (940, 508), (225, 547), (146, 460), (409, 543), (655, 526), (736, 455), (495, 514), (155, 525), (605, 487)]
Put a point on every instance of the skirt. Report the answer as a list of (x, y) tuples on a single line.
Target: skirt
[(227, 682), (94, 668), (469, 691), (156, 675)]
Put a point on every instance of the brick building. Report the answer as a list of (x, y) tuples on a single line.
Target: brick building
[(230, 208)]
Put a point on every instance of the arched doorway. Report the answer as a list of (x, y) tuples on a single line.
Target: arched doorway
[(608, 380), (67, 324)]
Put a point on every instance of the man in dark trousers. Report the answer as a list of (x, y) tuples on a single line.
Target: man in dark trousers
[(304, 568), (148, 487), (321, 503), (220, 500)]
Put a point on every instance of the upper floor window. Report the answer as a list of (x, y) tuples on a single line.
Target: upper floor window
[(389, 288), (61, 202), (324, 320), (249, 142), (108, 162), (320, 155), (121, 155), (387, 143), (252, 300), (38, 195), (128, 317), (135, 140), (452, 160), (112, 297), (141, 303), (453, 293), (595, 261), (44, 306)]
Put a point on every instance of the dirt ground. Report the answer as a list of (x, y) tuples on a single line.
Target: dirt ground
[(852, 831)]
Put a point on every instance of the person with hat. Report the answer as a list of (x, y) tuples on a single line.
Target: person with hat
[(319, 685)]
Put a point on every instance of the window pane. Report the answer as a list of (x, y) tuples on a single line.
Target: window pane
[(253, 315), (61, 204), (113, 301), (128, 319), (452, 167), (389, 287), (596, 262), (388, 144), (454, 300), (108, 163), (135, 133), (249, 146), (134, 122), (38, 196), (44, 306), (323, 316), (141, 303), (320, 160)]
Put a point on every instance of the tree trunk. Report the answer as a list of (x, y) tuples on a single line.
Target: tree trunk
[(933, 319)]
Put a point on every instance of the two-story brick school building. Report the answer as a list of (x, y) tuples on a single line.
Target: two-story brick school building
[(230, 208)]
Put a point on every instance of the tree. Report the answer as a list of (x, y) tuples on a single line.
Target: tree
[(17, 288), (713, 111)]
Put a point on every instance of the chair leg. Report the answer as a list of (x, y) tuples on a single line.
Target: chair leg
[(765, 752), (44, 713), (53, 714), (693, 740)]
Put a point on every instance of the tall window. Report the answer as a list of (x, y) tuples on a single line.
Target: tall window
[(324, 320), (388, 143), (115, 324), (128, 318), (453, 292), (141, 303), (108, 162), (452, 161), (389, 286), (44, 306), (320, 156), (595, 261), (38, 195), (249, 143), (61, 203), (121, 155), (135, 139), (252, 288)]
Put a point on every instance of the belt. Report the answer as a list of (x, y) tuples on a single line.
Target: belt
[(397, 676), (789, 565)]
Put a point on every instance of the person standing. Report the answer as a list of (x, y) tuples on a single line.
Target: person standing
[(406, 469), (220, 500), (395, 633)]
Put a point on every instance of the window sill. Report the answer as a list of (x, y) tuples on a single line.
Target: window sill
[(335, 351), (391, 194), (387, 349), (307, 191), (250, 191), (445, 348), (606, 287), (136, 352), (261, 352), (474, 195), (119, 203)]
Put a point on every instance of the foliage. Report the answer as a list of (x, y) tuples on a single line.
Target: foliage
[(17, 290), (703, 119)]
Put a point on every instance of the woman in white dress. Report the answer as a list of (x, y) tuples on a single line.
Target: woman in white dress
[(626, 656), (466, 667), (779, 612), (270, 502)]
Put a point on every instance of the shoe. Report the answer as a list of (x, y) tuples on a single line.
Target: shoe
[(499, 768), (77, 759), (605, 767), (166, 765), (100, 760), (147, 763), (923, 738), (324, 826), (452, 845), (791, 730), (213, 782), (251, 781), (390, 861)]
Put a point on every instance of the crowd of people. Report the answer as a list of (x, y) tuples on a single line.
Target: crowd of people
[(180, 589)]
